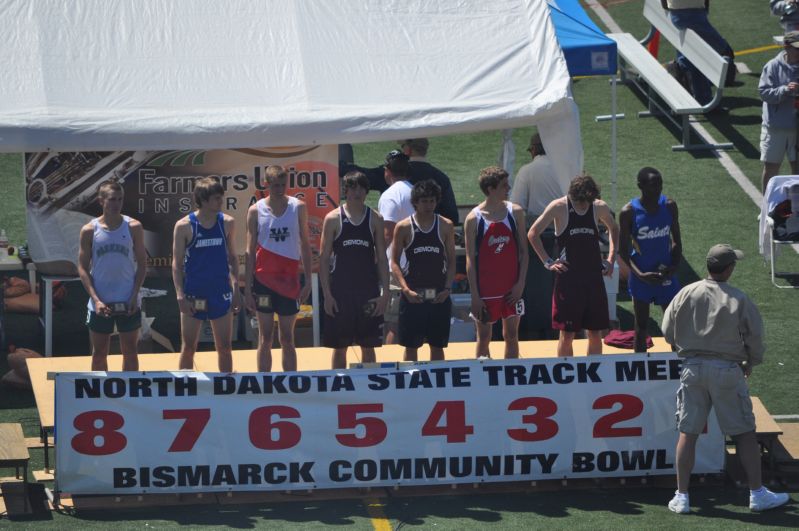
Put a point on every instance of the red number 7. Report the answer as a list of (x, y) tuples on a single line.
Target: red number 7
[(196, 420)]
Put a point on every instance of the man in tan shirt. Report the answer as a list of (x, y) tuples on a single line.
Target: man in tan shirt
[(719, 332)]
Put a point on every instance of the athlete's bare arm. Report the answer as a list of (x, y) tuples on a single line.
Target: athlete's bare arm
[(553, 213), (305, 251), (85, 266), (232, 260), (140, 252), (382, 262), (676, 237), (448, 235), (388, 231), (402, 237), (470, 237), (180, 240), (330, 229), (249, 256), (605, 216), (523, 257)]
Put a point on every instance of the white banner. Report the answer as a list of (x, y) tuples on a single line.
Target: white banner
[(424, 424)]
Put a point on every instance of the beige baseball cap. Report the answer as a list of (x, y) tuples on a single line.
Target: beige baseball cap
[(722, 254)]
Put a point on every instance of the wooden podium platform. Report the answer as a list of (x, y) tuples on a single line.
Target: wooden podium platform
[(308, 359)]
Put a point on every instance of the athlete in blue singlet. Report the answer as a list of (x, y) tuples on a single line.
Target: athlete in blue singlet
[(205, 272), (650, 226)]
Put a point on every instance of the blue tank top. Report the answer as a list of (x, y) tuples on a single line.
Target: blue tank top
[(651, 235), (206, 265)]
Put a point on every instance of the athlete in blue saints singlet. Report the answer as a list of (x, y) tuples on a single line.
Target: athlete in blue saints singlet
[(651, 247)]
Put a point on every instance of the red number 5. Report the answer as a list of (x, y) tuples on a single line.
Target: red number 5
[(375, 429)]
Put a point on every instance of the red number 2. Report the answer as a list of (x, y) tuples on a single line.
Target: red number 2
[(631, 407), (196, 420), (112, 440)]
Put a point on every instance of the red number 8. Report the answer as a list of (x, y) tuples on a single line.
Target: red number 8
[(113, 440)]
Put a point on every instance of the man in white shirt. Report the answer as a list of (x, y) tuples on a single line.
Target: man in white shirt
[(536, 184), (394, 205)]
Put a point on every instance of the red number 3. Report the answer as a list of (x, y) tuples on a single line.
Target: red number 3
[(85, 442)]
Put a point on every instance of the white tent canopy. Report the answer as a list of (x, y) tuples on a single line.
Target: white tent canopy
[(99, 75)]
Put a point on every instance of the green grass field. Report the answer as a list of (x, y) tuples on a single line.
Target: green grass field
[(713, 209)]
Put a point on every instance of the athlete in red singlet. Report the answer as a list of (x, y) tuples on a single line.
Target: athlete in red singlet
[(496, 262), (579, 300)]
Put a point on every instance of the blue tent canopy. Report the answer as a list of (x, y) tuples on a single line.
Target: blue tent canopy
[(587, 50)]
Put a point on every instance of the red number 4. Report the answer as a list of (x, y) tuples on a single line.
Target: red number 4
[(455, 428)]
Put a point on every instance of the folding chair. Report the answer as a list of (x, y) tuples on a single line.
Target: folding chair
[(777, 191)]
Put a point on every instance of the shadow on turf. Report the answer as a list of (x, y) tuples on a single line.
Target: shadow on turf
[(709, 502), (722, 121), (719, 503), (332, 513)]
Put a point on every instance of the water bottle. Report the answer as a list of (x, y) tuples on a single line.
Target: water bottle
[(3, 245), (666, 280)]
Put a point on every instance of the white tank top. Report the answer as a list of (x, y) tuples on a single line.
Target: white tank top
[(113, 263), (280, 234)]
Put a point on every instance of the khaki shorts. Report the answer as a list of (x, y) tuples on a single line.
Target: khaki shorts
[(391, 315), (706, 383), (775, 144)]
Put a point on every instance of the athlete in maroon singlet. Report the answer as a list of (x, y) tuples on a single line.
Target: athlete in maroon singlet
[(579, 300), (496, 262), (352, 269)]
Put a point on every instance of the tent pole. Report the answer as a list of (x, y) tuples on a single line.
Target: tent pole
[(317, 310), (613, 162)]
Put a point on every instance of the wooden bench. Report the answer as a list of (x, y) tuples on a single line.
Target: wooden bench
[(13, 449), (637, 64), (767, 430)]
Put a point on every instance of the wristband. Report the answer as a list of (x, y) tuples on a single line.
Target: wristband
[(549, 262)]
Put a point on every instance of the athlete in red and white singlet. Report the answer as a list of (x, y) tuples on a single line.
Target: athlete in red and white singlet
[(277, 258), (496, 262), (277, 243)]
